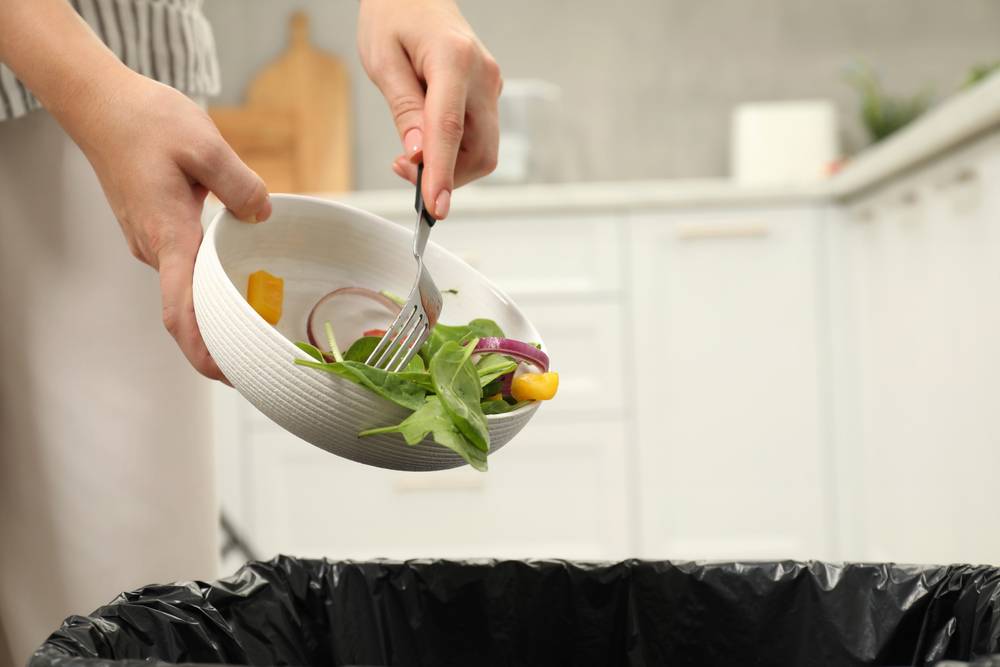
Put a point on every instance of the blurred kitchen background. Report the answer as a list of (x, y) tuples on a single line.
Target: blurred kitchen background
[(646, 88), (762, 241)]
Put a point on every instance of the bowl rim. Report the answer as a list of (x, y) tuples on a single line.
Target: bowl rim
[(231, 289)]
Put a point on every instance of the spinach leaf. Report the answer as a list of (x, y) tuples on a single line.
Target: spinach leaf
[(416, 365), (462, 333), (363, 347), (313, 352), (500, 406), (432, 418), (441, 334), (455, 415), (492, 366), (496, 407), (390, 386), (456, 383), (421, 378), (493, 388), (484, 328)]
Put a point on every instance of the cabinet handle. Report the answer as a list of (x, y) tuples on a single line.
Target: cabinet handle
[(963, 176), (707, 232), (864, 215), (966, 175)]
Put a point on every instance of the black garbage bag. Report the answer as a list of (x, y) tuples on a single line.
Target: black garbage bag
[(315, 612)]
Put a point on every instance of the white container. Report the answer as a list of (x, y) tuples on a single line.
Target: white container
[(783, 143), (529, 132), (317, 246)]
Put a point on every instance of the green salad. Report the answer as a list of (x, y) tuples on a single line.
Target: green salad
[(460, 375)]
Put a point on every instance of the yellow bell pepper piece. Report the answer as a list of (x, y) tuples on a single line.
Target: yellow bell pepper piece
[(535, 386), (265, 294)]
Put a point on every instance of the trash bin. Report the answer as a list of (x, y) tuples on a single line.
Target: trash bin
[(291, 611)]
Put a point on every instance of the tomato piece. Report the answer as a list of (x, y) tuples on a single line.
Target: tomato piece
[(375, 332)]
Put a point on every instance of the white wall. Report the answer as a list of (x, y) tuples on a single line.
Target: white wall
[(656, 78)]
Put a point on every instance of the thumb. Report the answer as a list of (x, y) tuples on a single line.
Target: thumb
[(395, 77), (219, 169)]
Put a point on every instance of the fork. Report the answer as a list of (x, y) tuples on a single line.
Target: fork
[(420, 313)]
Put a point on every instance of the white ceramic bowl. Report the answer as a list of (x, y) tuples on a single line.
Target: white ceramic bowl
[(317, 246)]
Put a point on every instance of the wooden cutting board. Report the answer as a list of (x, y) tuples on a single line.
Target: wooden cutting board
[(295, 128)]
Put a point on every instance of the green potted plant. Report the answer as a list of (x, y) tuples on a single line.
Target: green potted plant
[(881, 113)]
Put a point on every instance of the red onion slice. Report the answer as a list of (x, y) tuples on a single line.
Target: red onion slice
[(377, 297), (514, 348), (506, 384)]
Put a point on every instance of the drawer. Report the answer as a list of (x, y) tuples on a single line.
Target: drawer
[(538, 256), (556, 490)]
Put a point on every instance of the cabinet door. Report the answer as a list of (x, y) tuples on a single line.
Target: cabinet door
[(731, 448), (922, 265)]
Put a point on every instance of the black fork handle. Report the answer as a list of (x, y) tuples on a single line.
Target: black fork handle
[(419, 203)]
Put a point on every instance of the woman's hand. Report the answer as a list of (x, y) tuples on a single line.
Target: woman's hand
[(442, 87), (157, 155)]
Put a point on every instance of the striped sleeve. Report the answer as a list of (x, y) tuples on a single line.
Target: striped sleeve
[(159, 47), (168, 40), (8, 96), (142, 14), (126, 32), (15, 97), (110, 30)]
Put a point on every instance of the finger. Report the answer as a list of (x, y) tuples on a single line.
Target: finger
[(398, 170), (444, 125), (405, 169), (477, 156), (217, 167), (176, 264), (395, 77)]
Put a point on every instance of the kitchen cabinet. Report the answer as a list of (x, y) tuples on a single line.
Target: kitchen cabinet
[(732, 456), (918, 271), (688, 349)]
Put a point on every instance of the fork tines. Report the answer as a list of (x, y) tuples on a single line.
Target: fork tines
[(402, 341)]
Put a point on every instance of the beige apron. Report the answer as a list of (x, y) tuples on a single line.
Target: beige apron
[(106, 479)]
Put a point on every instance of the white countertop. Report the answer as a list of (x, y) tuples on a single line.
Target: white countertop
[(960, 119)]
